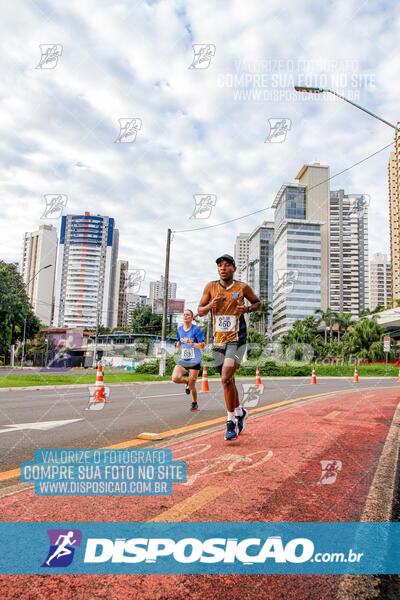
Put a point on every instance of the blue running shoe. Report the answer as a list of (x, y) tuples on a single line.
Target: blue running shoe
[(241, 421), (194, 406), (230, 431)]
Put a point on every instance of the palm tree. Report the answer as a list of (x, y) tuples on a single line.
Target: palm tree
[(344, 322), (329, 318), (260, 316)]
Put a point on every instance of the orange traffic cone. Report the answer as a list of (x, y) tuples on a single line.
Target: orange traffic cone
[(313, 376), (99, 394), (355, 380), (258, 383), (204, 382)]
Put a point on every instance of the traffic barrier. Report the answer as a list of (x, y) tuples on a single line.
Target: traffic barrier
[(99, 391), (258, 383), (204, 382), (313, 376)]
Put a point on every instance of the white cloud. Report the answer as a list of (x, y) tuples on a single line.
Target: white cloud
[(131, 60)]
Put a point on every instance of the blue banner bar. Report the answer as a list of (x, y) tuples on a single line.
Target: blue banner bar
[(243, 548)]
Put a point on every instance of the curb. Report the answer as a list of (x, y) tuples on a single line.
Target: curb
[(378, 507), (34, 388)]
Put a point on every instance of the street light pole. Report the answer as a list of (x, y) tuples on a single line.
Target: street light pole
[(316, 90), (163, 345)]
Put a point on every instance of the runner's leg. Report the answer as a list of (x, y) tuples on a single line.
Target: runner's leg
[(228, 382), (193, 374), (177, 374)]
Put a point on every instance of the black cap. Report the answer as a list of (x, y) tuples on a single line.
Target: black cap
[(226, 257)]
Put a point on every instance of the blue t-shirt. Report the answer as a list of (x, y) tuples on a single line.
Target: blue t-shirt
[(188, 354)]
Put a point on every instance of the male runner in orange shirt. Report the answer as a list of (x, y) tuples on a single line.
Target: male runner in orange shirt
[(225, 298)]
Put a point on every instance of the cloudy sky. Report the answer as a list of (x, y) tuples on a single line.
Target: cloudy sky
[(203, 130)]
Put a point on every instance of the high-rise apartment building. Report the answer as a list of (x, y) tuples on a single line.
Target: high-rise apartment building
[(156, 290), (380, 287), (120, 292), (241, 252), (348, 242), (394, 214), (86, 268), (40, 251), (301, 248)]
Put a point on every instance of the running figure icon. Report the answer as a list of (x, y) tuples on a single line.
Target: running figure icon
[(62, 549)]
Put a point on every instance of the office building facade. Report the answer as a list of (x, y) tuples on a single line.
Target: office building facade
[(241, 253), (260, 266), (301, 248), (86, 268)]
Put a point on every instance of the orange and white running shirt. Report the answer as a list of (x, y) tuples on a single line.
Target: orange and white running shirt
[(228, 326)]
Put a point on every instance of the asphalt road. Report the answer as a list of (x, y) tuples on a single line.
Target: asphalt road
[(30, 419)]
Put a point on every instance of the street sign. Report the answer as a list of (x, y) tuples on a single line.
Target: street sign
[(386, 344)]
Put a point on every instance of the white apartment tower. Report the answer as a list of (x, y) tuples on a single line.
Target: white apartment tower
[(156, 290), (86, 269), (38, 267), (348, 242), (380, 285)]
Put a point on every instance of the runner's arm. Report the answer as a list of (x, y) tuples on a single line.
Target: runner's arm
[(252, 298), (205, 304)]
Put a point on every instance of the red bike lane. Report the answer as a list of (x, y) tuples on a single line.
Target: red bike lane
[(272, 472)]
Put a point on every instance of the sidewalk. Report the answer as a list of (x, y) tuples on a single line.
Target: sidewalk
[(271, 473)]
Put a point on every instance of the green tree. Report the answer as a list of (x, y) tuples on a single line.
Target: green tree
[(260, 317), (303, 332), (364, 340), (15, 309), (145, 321)]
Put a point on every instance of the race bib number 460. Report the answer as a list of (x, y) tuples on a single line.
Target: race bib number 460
[(225, 323), (187, 353)]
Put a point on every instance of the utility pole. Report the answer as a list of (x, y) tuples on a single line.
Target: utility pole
[(23, 345), (95, 339), (163, 345)]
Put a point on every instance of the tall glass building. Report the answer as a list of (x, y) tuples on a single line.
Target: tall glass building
[(86, 267), (258, 271), (300, 249)]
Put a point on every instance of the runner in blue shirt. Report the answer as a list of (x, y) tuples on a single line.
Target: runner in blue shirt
[(190, 340)]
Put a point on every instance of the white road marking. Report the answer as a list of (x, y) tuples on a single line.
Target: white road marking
[(41, 426)]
